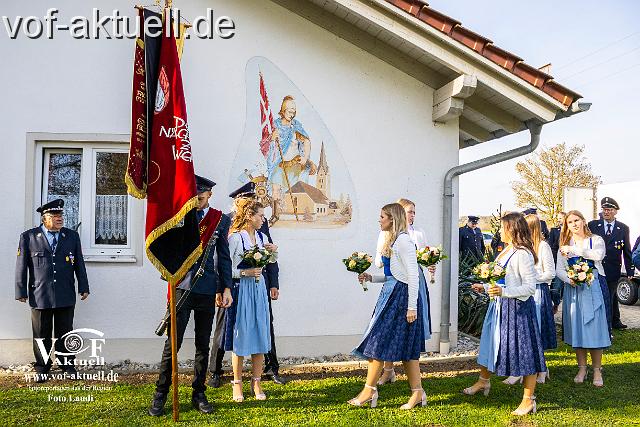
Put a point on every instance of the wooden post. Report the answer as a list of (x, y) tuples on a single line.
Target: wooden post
[(174, 351)]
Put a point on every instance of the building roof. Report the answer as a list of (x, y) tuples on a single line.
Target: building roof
[(485, 47), (303, 188)]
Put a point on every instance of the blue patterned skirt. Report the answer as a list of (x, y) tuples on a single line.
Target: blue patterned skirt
[(247, 320), (584, 315), (426, 303), (389, 336), (510, 343), (544, 315), (607, 299)]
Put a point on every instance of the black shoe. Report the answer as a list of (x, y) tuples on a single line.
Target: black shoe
[(70, 371), (619, 325), (215, 381), (157, 406), (200, 402), (41, 377), (277, 378)]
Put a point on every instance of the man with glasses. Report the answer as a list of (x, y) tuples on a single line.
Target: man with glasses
[(49, 256)]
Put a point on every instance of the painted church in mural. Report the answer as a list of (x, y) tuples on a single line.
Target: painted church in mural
[(291, 156)]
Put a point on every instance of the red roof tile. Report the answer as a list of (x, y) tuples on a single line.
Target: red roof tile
[(485, 47)]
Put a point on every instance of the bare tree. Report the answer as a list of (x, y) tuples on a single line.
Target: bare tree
[(545, 174)]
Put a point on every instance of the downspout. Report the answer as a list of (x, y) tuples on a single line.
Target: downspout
[(535, 127)]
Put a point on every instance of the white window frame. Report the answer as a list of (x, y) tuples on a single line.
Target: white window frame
[(89, 145)]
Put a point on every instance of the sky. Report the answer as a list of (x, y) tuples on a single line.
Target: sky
[(594, 49)]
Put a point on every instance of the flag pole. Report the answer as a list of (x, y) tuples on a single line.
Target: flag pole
[(174, 351)]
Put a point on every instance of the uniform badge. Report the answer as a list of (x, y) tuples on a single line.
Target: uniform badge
[(18, 251)]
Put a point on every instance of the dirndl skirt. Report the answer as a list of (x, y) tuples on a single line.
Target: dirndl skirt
[(584, 315), (247, 328), (510, 344), (544, 315), (426, 308), (389, 336)]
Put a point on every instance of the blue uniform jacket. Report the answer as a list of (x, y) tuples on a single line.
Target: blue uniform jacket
[(618, 248), (47, 279), (471, 244)]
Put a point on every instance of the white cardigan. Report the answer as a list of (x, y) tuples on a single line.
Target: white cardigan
[(520, 279), (545, 268), (595, 254), (404, 265)]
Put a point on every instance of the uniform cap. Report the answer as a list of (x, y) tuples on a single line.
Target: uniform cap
[(54, 206), (247, 190), (203, 184), (609, 202)]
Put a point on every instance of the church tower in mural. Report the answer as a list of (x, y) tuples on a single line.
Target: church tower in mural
[(323, 179)]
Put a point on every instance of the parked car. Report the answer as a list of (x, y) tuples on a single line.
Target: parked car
[(487, 237)]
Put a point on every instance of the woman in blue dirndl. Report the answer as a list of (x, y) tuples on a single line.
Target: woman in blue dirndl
[(418, 238), (247, 320), (510, 343), (584, 308), (545, 273), (396, 331)]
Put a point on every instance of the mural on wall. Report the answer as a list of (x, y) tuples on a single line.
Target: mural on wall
[(291, 156)]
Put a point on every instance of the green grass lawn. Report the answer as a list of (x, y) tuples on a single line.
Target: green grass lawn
[(322, 401)]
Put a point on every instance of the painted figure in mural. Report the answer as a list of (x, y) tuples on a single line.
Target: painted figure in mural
[(288, 159)]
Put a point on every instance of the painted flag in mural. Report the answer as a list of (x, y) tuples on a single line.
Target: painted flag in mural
[(145, 78), (172, 235), (266, 118)]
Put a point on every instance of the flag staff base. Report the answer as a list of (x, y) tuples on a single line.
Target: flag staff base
[(174, 352)]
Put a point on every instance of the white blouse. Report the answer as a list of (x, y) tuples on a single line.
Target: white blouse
[(592, 248), (520, 279), (236, 250), (404, 265), (545, 268)]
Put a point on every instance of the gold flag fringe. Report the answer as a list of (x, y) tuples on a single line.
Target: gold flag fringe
[(161, 229), (132, 188)]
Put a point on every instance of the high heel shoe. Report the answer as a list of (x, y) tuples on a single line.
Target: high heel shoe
[(532, 409), (259, 396), (238, 398), (600, 382), (579, 379), (372, 401), (423, 400), (512, 380), (543, 377), (485, 387), (390, 379)]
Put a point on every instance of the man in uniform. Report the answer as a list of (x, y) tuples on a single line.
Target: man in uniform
[(471, 240), (616, 238), (554, 242), (209, 275), (271, 271), (543, 223), (48, 258)]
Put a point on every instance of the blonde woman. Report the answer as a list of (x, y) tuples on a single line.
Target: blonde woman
[(584, 315), (510, 343), (418, 237), (545, 273), (396, 331), (247, 320)]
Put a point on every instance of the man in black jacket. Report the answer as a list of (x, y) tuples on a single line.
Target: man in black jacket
[(554, 242), (616, 238), (215, 278), (48, 258), (271, 272)]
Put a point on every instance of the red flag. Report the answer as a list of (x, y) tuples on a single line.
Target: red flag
[(172, 235), (266, 118)]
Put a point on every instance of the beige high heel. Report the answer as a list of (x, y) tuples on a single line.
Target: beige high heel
[(372, 401), (600, 382), (391, 379), (532, 409), (423, 400), (259, 396), (580, 379), (485, 387), (237, 398), (512, 380)]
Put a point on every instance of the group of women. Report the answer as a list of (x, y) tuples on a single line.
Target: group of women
[(518, 326)]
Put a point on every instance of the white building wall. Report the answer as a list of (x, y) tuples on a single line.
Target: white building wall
[(379, 116)]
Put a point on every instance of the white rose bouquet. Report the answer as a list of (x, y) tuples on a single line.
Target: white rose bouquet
[(358, 262), (489, 272), (258, 257), (430, 255), (580, 272)]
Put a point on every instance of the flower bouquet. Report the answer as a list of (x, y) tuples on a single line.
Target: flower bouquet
[(358, 262), (430, 255), (258, 257), (489, 272), (580, 272)]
